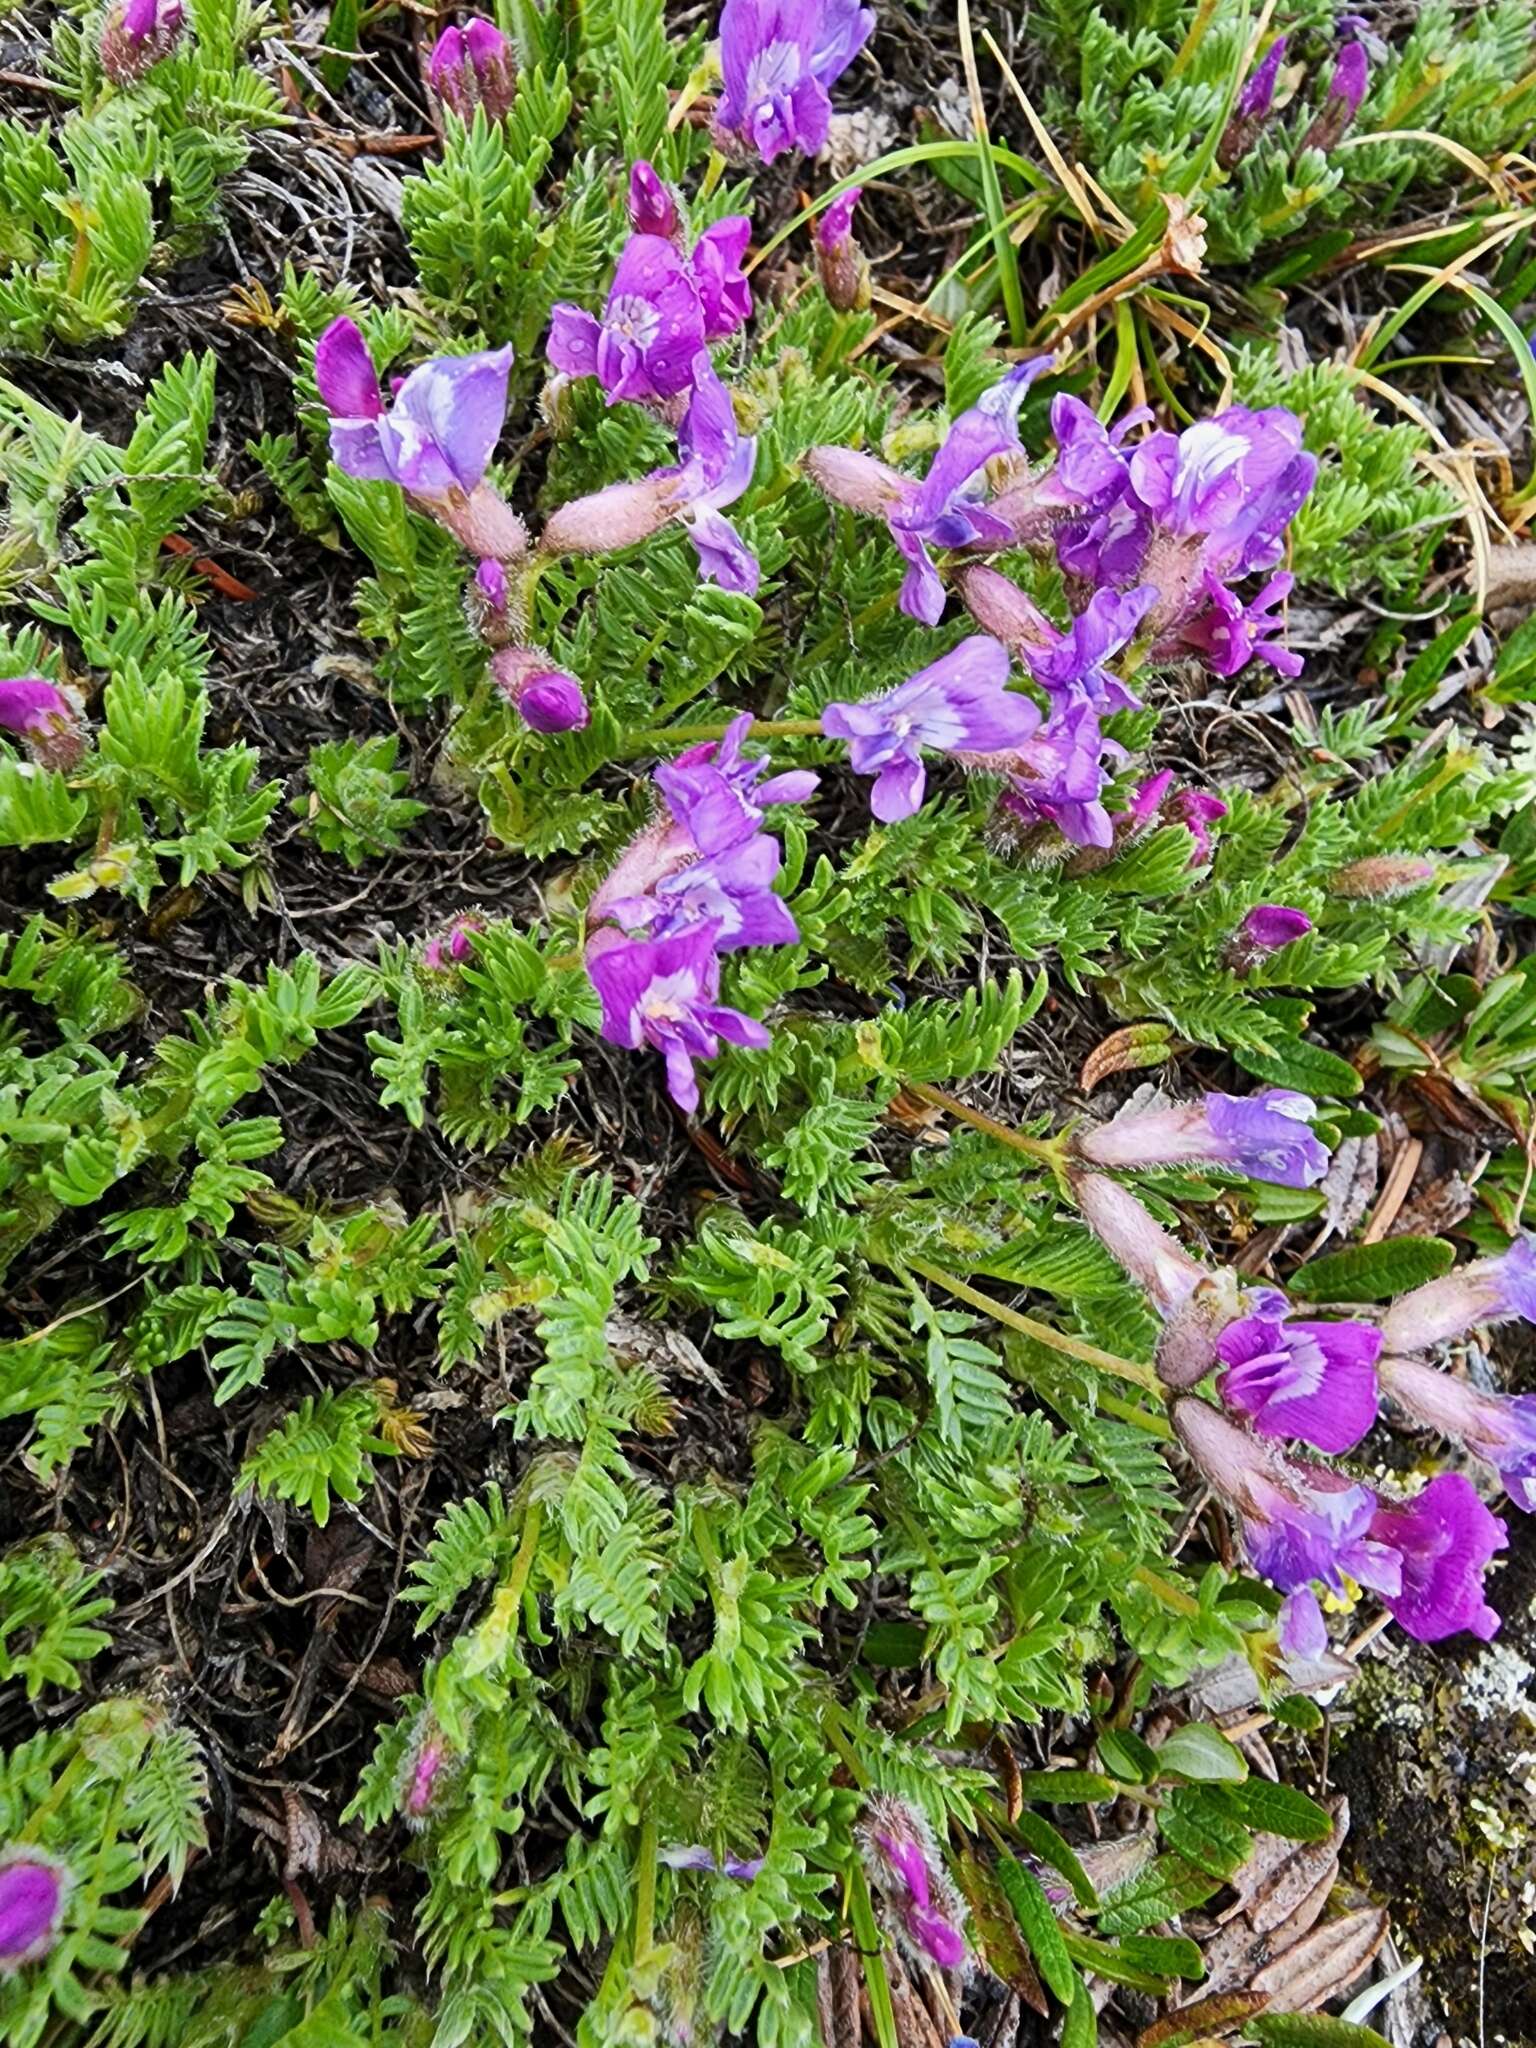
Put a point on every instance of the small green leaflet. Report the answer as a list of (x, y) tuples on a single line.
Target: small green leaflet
[(1039, 1926), (1374, 1272)]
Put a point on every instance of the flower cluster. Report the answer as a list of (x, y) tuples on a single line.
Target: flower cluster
[(473, 67), (908, 1875), (34, 1891), (696, 883), (1281, 1378), (778, 61), (1254, 108)]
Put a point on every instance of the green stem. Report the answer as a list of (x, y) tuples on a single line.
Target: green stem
[(1171, 1597), (1046, 1150), (1054, 1340), (1192, 41), (689, 735), (645, 1890)]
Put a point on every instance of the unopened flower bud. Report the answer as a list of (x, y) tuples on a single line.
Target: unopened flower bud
[(1346, 89), (473, 67), (34, 1889), (843, 265), (1266, 928), (137, 34), (861, 482), (999, 607), (545, 698), (1193, 1303), (38, 712), (451, 948), (1252, 107), (429, 1764), (652, 208), (1381, 876), (608, 520)]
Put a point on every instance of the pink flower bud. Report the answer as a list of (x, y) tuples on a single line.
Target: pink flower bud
[(137, 34), (1266, 928), (34, 1889), (1381, 876), (999, 607), (546, 698), (652, 208), (607, 520), (473, 67), (842, 263), (428, 1765), (1193, 1304), (39, 712), (856, 480), (451, 948), (907, 1871)]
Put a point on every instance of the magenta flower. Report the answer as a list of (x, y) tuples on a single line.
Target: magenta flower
[(1077, 496), (543, 696), (778, 61), (1258, 92), (1266, 1136), (1228, 633), (1444, 1540), (1346, 90), (652, 205), (1486, 1291), (1313, 1381), (38, 712), (960, 703), (945, 510), (34, 1889), (435, 440), (663, 306), (1198, 811), (137, 34), (663, 993), (1192, 1303), (473, 67), (1058, 776), (1498, 1428), (716, 468), (451, 948), (905, 1868), (429, 1765), (1266, 929), (718, 793), (490, 603), (694, 1856)]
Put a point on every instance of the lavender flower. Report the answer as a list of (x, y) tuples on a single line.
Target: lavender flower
[(1498, 1428), (843, 266), (473, 67), (1229, 633), (1057, 777), (946, 510), (718, 793), (34, 1889), (1309, 1380), (1071, 664), (1192, 1303), (960, 703), (695, 1856), (1258, 91), (1346, 89), (1090, 474), (1228, 487), (663, 306), (652, 205), (663, 993), (435, 440), (1266, 929), (137, 34), (38, 712), (904, 1866), (779, 60), (1444, 1540), (1301, 1523), (1266, 1136), (544, 697), (731, 893), (1486, 1291)]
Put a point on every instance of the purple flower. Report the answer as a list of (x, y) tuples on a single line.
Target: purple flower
[(947, 508), (731, 893), (1071, 664), (1266, 1136), (841, 262), (34, 1888), (716, 468), (1231, 483), (544, 697), (1498, 1428), (1444, 1540), (1192, 1303), (39, 712), (696, 1857), (652, 207), (1486, 1291), (904, 1865), (1197, 811), (1229, 634), (451, 948), (1156, 802), (1315, 1381), (1058, 776), (960, 703), (1258, 92), (778, 61), (651, 331), (662, 993), (435, 440), (137, 34), (1266, 929), (724, 293), (718, 794), (473, 67), (1346, 89)]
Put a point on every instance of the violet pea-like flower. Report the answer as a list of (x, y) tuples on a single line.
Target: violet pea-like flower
[(137, 34), (960, 703), (34, 1890), (731, 892), (664, 994), (38, 712), (473, 67), (1444, 1539), (778, 62), (1267, 1136), (695, 1856), (1485, 1291), (1267, 928), (652, 328), (1346, 90), (1071, 664), (1498, 1428), (903, 1862), (1058, 776), (1229, 633), (716, 468), (1233, 482), (1258, 89), (718, 793), (1314, 1381), (652, 204)]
